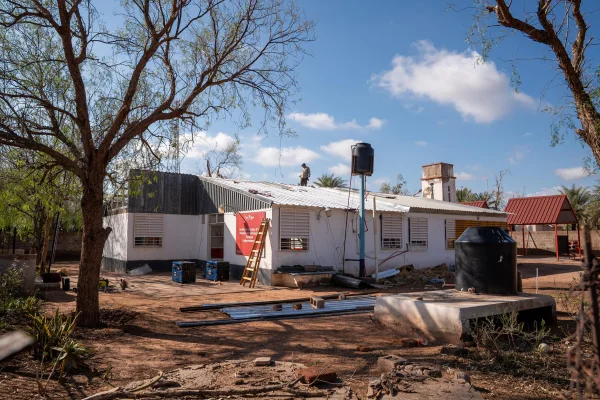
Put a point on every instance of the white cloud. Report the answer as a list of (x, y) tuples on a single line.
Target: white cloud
[(375, 123), (528, 134), (323, 121), (340, 169), (285, 156), (571, 174), (465, 176), (516, 156), (340, 149), (476, 90), (203, 143), (546, 191), (421, 143)]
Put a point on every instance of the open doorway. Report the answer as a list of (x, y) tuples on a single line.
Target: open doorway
[(216, 236)]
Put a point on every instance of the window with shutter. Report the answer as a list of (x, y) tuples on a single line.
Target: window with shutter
[(450, 233), (417, 233), (294, 229), (391, 231), (148, 230)]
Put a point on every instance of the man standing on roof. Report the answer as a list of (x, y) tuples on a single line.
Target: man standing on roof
[(304, 175)]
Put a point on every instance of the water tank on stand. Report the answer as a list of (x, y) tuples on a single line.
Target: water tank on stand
[(363, 158), (486, 259)]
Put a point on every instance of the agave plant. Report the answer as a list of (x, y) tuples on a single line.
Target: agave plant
[(50, 332), (70, 354)]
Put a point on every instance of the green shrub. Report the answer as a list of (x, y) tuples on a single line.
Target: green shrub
[(70, 354), (50, 332), (13, 308)]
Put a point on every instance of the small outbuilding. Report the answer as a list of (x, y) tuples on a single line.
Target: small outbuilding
[(542, 210)]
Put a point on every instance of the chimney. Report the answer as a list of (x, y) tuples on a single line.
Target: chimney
[(438, 182)]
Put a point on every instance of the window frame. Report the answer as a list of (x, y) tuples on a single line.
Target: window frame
[(450, 224), (149, 236), (394, 217), (294, 242), (411, 233)]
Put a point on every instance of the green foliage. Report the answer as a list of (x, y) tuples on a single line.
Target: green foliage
[(332, 181), (398, 188), (503, 336), (13, 308), (580, 198), (70, 354), (50, 332)]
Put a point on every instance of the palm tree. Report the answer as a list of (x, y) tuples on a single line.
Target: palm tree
[(330, 181), (580, 198)]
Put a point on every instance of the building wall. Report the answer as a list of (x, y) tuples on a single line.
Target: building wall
[(116, 244), (543, 242), (326, 242), (238, 262), (183, 239)]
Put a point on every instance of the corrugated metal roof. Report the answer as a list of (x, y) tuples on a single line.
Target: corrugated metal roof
[(424, 204), (309, 196), (539, 210), (478, 203)]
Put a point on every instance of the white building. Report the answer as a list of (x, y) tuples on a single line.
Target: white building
[(185, 217)]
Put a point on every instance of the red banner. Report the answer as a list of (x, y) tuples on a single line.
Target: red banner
[(247, 225)]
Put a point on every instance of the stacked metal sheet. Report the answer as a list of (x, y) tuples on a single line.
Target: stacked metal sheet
[(363, 303)]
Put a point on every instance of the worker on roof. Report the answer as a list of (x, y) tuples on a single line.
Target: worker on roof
[(305, 175)]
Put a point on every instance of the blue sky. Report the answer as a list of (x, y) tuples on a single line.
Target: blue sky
[(400, 75)]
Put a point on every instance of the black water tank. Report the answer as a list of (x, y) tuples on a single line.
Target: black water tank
[(363, 158), (486, 259)]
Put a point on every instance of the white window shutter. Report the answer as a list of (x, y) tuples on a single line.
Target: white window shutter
[(148, 230), (294, 228), (391, 231), (450, 233), (418, 233)]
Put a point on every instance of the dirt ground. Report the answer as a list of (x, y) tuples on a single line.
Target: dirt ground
[(140, 338)]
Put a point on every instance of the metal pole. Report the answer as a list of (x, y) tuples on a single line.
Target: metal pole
[(361, 228), (54, 242), (578, 240), (375, 240), (556, 239), (14, 239), (523, 235)]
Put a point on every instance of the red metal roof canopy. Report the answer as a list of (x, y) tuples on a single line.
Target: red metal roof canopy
[(540, 210), (478, 203)]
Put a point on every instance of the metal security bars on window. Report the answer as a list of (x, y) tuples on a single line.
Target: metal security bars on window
[(417, 234), (294, 229), (148, 230), (391, 231)]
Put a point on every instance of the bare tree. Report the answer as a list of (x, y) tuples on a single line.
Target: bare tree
[(496, 199), (561, 26), (398, 188), (181, 59)]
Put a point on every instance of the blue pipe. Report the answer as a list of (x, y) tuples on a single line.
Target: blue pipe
[(361, 228)]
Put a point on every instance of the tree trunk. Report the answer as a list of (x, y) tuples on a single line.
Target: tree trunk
[(45, 241), (94, 236)]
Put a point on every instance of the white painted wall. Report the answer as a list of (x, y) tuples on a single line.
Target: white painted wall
[(116, 244), (229, 243), (183, 238), (327, 240)]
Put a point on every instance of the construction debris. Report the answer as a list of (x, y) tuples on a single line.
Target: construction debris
[(407, 274), (317, 302), (143, 270), (262, 361), (316, 374), (353, 305)]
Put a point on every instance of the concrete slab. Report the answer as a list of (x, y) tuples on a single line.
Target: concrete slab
[(445, 315)]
